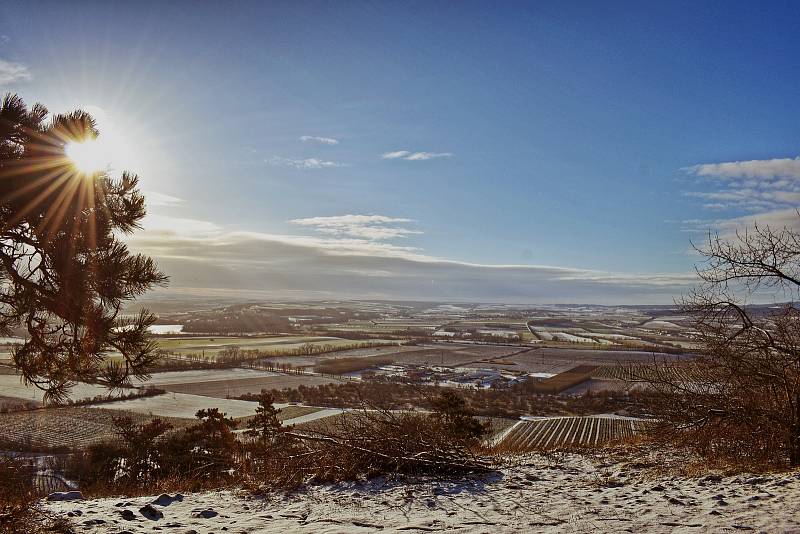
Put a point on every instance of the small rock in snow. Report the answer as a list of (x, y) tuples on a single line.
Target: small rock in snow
[(166, 500), (206, 514), (150, 512)]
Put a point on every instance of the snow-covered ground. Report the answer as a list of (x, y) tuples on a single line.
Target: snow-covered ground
[(12, 386), (572, 338), (662, 325), (182, 405), (541, 494), (202, 375)]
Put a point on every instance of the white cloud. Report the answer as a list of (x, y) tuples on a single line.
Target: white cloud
[(756, 185), (396, 154), (422, 156), (204, 258), (166, 224), (11, 72), (154, 198), (776, 219), (369, 227), (316, 139), (303, 164), (348, 219), (758, 168), (415, 156)]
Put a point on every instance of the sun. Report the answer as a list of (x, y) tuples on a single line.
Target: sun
[(116, 149), (88, 156)]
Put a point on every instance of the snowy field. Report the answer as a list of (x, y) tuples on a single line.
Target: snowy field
[(183, 405), (610, 336), (203, 375), (166, 329), (11, 386), (662, 325), (542, 494)]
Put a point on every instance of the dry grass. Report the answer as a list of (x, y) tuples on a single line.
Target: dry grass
[(17, 493)]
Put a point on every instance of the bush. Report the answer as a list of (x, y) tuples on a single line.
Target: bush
[(17, 494), (371, 442), (199, 456), (356, 444)]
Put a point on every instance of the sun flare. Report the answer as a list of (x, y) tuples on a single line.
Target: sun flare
[(87, 156)]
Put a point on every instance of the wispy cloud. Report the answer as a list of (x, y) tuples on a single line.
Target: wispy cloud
[(370, 227), (199, 254), (764, 189), (154, 198), (397, 154), (190, 228), (415, 156), (303, 164), (11, 72), (316, 139), (757, 168)]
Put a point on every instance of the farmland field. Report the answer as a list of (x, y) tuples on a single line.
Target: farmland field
[(566, 380), (12, 386), (300, 415), (66, 427), (291, 413), (341, 366), (81, 427), (454, 354), (204, 375), (601, 384), (234, 388), (556, 432), (181, 405), (210, 346)]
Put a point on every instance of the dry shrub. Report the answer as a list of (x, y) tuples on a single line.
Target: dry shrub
[(152, 456), (370, 442), (357, 444), (740, 436), (17, 495)]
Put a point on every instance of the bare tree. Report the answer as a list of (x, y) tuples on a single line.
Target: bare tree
[(741, 396)]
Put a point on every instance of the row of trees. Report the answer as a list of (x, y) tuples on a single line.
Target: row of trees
[(514, 401)]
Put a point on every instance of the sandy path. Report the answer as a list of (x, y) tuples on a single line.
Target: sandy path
[(573, 495)]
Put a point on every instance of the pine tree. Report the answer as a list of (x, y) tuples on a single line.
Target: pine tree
[(265, 426), (64, 274)]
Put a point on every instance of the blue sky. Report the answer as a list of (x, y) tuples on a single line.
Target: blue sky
[(544, 151)]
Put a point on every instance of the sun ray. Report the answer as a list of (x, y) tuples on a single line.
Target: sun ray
[(88, 156)]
